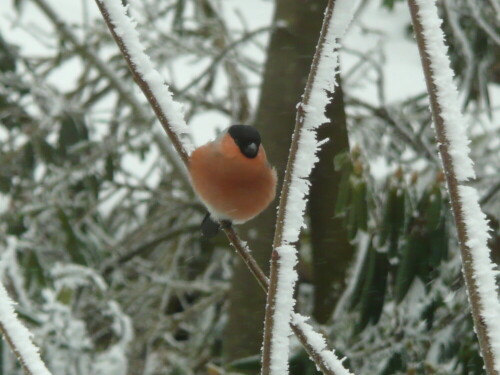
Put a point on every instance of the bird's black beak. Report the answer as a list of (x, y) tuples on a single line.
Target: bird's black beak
[(251, 150)]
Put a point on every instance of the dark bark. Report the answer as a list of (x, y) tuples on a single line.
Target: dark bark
[(331, 249), (289, 58)]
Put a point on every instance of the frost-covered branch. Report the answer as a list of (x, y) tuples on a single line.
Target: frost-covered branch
[(127, 39), (302, 157), (19, 338), (146, 76), (326, 359), (472, 228)]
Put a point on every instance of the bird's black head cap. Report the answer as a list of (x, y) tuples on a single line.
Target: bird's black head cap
[(247, 138)]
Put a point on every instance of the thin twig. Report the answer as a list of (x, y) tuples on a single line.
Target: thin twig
[(492, 191), (165, 237), (476, 13), (416, 142), (453, 188)]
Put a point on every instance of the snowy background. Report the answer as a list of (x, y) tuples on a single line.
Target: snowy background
[(67, 256)]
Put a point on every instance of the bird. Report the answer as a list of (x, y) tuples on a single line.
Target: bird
[(232, 177)]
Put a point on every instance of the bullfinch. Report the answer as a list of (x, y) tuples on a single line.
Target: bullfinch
[(232, 177)]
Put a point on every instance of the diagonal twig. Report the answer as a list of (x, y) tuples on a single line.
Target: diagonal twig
[(19, 338)]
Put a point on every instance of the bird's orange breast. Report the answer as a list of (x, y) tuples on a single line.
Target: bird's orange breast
[(232, 186)]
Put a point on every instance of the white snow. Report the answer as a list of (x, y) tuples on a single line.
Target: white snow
[(306, 157), (19, 335), (447, 93), (485, 273), (318, 342), (125, 28), (284, 307), (73, 275)]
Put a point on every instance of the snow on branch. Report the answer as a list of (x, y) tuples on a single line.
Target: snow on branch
[(150, 81), (472, 228), (19, 338), (446, 91), (318, 344), (290, 220), (484, 272), (170, 116), (310, 115)]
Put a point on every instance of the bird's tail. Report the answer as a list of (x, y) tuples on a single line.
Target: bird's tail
[(209, 227)]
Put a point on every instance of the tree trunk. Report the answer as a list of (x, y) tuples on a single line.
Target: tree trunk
[(331, 249), (289, 58)]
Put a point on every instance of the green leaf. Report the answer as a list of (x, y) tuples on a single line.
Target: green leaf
[(72, 130), (8, 57), (429, 311), (408, 265), (93, 184), (395, 365), (18, 4), (300, 364), (65, 296), (373, 302), (178, 22), (433, 209), (389, 3), (109, 167), (424, 270), (45, 151), (393, 220), (342, 162), (438, 243), (360, 282), (251, 363), (15, 224), (28, 159), (365, 292), (73, 244), (374, 288), (34, 272), (360, 204), (5, 184)]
